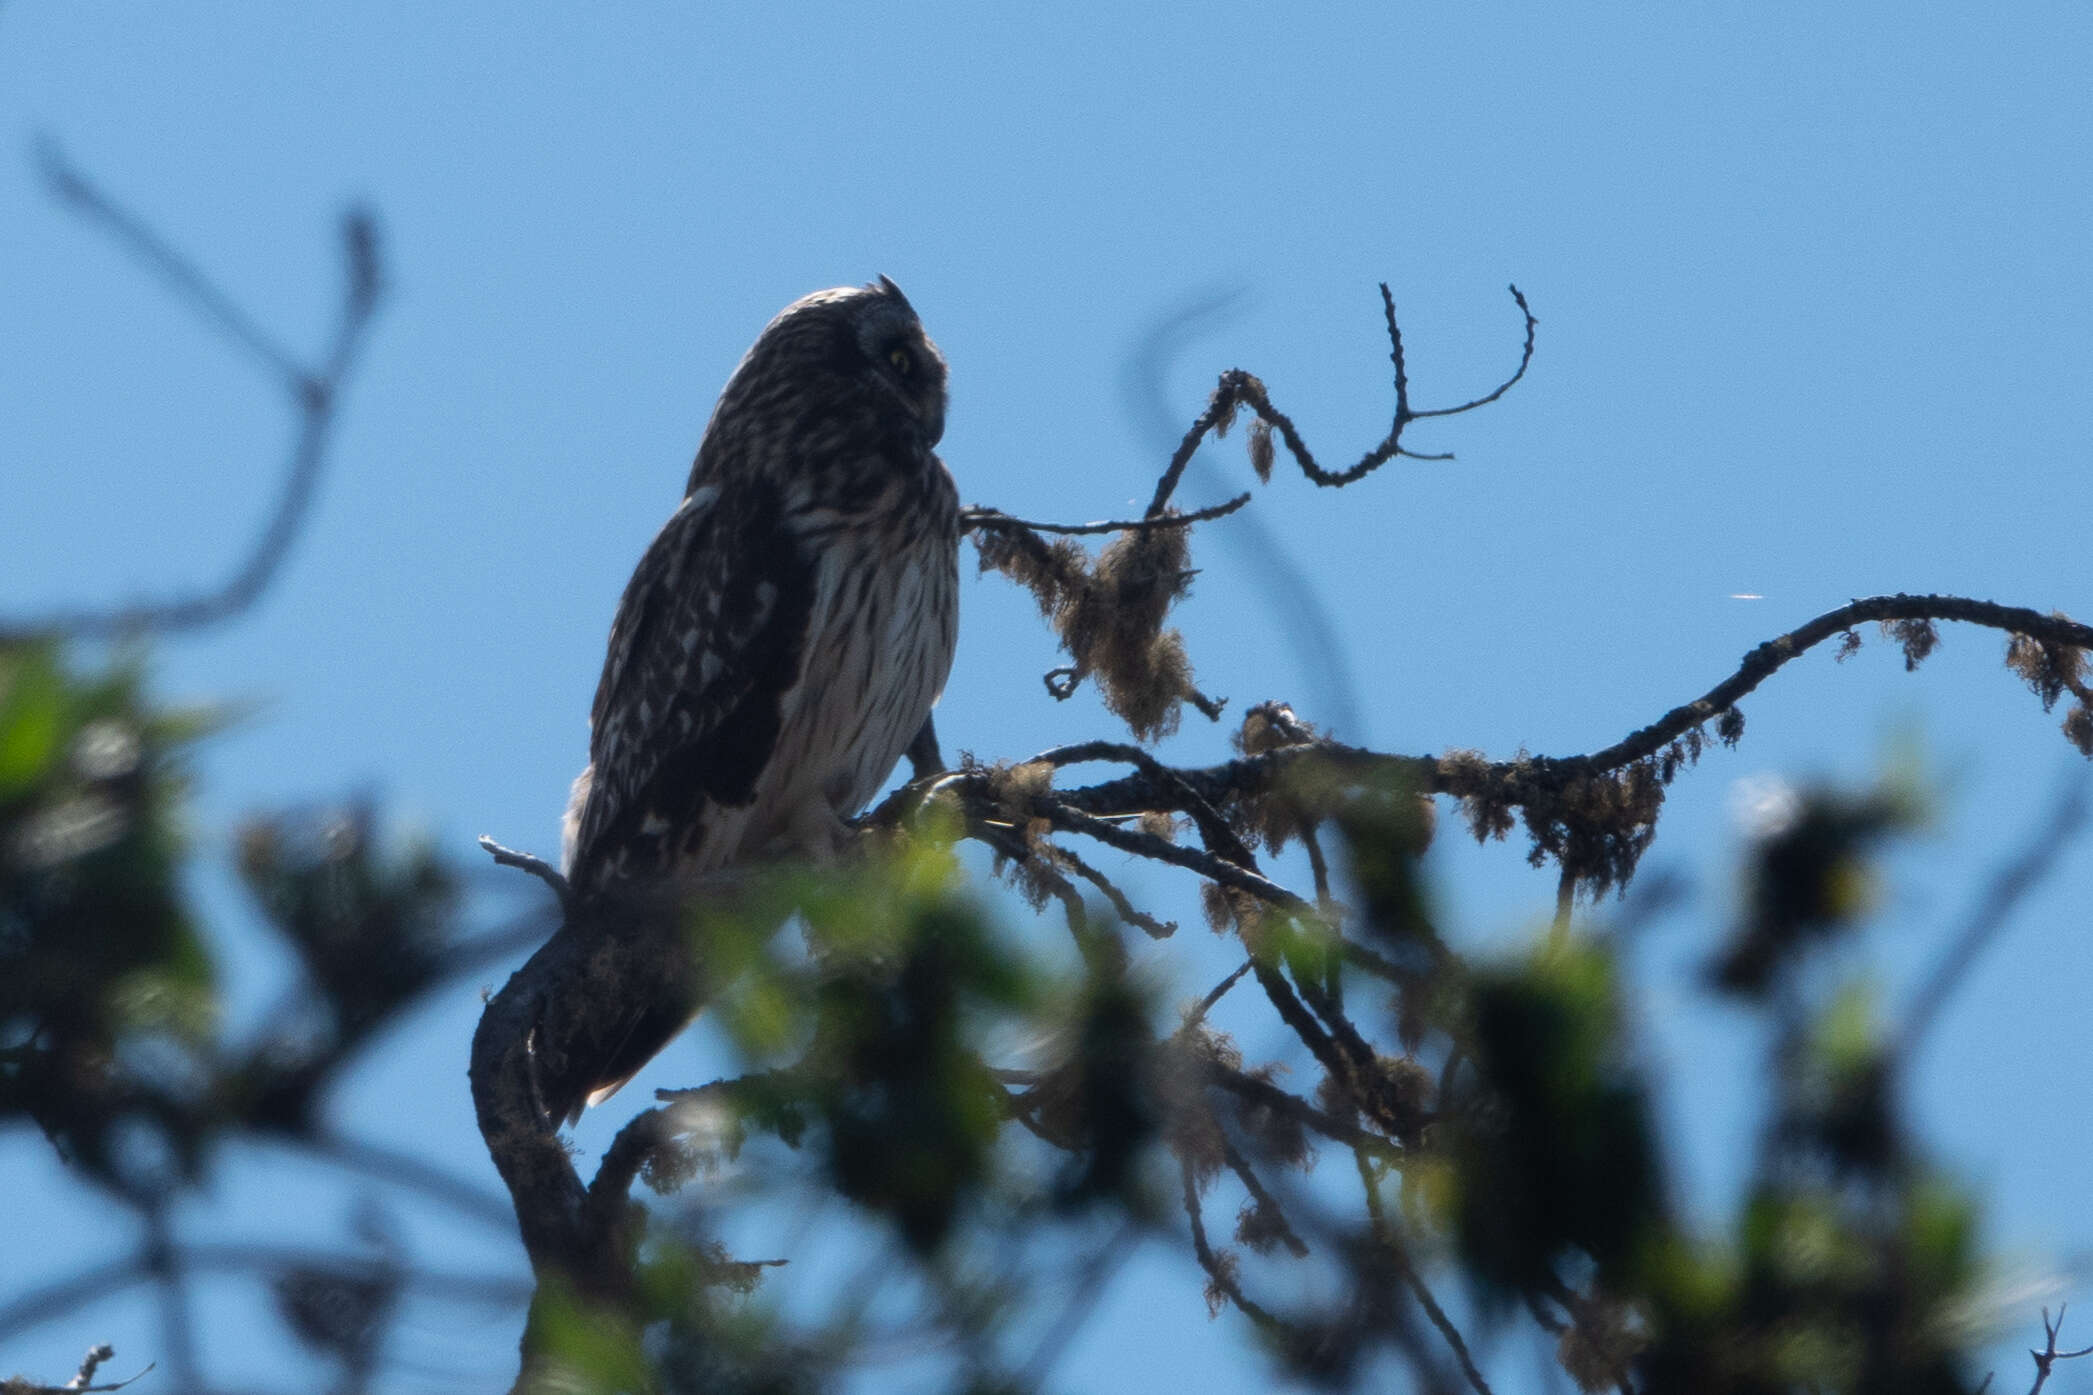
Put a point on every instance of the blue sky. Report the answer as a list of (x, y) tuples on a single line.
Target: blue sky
[(1813, 290)]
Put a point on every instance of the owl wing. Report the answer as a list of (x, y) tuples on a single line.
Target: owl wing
[(704, 662)]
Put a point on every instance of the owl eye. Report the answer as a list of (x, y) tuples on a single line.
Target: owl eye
[(902, 361)]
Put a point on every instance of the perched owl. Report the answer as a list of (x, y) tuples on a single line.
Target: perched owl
[(786, 633)]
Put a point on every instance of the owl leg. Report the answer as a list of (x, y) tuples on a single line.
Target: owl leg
[(817, 832), (924, 758)]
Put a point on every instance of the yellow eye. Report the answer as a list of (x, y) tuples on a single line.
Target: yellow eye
[(903, 361)]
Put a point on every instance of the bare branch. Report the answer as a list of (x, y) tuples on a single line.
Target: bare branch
[(71, 186), (1555, 793), (1214, 995), (1762, 662), (1392, 1248), (1219, 1272), (1238, 389), (536, 866), (1067, 817), (1525, 359), (983, 517), (1126, 910), (1269, 1096), (1263, 1199), (314, 392), (2049, 1355)]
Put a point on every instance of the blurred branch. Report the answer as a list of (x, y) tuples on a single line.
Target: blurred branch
[(72, 187), (314, 392), (1299, 612), (2009, 886), (1220, 1270), (1392, 1250), (1089, 1289), (411, 1172), (164, 1264), (65, 1296)]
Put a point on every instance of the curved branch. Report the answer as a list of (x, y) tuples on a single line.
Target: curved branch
[(1761, 663), (1237, 388), (1517, 782)]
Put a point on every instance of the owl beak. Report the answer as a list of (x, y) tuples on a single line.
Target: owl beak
[(934, 419)]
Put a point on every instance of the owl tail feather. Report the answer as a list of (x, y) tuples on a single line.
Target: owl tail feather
[(623, 985)]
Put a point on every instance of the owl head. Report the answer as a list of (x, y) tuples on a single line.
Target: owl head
[(839, 369)]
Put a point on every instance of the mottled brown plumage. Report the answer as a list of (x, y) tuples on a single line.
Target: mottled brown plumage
[(786, 633)]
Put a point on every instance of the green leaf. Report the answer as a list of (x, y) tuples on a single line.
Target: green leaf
[(32, 718)]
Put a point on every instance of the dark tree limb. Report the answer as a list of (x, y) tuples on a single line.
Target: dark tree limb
[(536, 1053), (1546, 788)]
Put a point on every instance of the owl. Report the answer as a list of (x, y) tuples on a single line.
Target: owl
[(785, 635)]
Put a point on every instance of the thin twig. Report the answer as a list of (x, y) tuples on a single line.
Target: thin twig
[(1266, 1095), (536, 866), (1392, 1247), (83, 1382), (1148, 845), (1525, 359), (1126, 910), (1089, 1289), (1237, 388), (2049, 1355), (1319, 869), (1220, 1275), (1212, 827), (1266, 1203), (1214, 995)]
